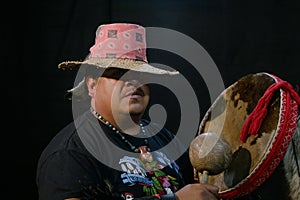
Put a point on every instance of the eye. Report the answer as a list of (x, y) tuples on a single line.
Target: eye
[(114, 73)]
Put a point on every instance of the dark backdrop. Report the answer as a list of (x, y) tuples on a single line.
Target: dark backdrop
[(241, 37)]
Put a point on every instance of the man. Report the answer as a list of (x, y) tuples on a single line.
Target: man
[(109, 151)]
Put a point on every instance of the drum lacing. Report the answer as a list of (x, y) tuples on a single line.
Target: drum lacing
[(255, 119)]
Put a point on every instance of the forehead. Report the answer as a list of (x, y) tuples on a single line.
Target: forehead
[(124, 74), (114, 73), (119, 74)]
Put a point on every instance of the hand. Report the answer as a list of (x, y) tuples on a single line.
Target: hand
[(198, 191)]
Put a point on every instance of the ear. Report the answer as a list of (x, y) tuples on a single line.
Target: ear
[(91, 85)]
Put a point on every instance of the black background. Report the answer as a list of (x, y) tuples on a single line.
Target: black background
[(242, 37)]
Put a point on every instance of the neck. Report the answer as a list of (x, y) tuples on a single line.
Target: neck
[(125, 123)]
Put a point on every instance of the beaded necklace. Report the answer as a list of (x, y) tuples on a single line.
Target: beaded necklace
[(142, 149)]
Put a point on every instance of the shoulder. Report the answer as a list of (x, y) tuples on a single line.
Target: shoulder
[(64, 145), (60, 141), (68, 139)]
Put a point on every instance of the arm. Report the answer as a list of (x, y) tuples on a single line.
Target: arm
[(68, 175)]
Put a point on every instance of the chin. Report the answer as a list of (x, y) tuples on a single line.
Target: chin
[(136, 111)]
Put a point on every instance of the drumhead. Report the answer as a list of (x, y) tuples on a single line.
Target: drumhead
[(254, 160)]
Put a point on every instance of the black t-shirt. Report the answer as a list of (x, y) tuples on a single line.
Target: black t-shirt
[(88, 160)]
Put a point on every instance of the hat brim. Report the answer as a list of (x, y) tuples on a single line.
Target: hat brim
[(129, 64)]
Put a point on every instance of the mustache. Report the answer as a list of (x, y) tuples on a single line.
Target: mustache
[(136, 91)]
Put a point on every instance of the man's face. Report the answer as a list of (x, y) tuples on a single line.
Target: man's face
[(122, 95)]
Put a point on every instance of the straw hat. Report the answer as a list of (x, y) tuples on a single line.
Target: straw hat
[(118, 45)]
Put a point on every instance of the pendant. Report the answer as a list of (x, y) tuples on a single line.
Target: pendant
[(145, 155)]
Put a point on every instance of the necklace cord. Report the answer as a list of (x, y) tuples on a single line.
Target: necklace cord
[(117, 132)]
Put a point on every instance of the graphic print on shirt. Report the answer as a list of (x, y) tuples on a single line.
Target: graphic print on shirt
[(128, 196), (149, 173)]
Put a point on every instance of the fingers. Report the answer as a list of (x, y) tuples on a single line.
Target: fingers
[(212, 189), (198, 191)]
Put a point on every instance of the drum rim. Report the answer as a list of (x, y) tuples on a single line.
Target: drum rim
[(276, 151)]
